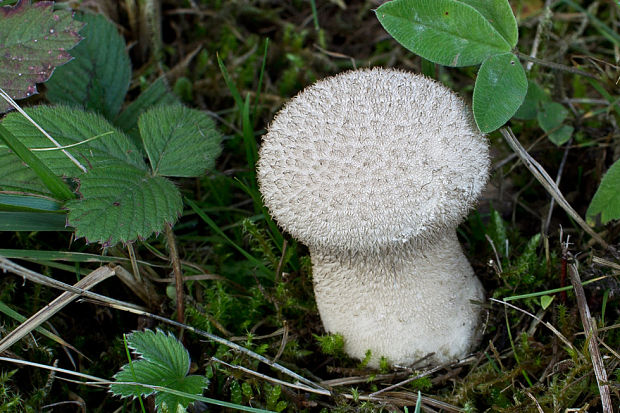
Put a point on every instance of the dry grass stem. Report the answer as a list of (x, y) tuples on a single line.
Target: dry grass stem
[(55, 306), (546, 324), (8, 265), (545, 180), (590, 329), (297, 386), (178, 272)]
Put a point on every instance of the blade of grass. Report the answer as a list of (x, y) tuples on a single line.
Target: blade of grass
[(52, 182), (259, 87), (605, 30), (28, 203), (37, 255), (251, 149), (548, 292), (229, 83), (315, 15), (514, 349), (274, 232), (133, 373), (33, 221), (600, 89), (219, 232)]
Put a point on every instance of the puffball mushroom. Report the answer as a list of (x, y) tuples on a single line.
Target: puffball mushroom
[(373, 170)]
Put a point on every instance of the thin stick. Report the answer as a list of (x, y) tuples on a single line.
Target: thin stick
[(409, 380), (544, 19), (590, 330), (558, 178), (546, 324), (52, 368), (178, 272), (219, 340), (52, 308), (47, 135), (8, 265), (545, 180), (274, 380), (556, 66)]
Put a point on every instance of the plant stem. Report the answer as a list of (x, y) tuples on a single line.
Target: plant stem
[(556, 66), (178, 273)]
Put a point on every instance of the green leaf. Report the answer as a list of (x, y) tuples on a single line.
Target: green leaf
[(606, 201), (33, 221), (545, 301), (447, 32), (551, 115), (550, 118), (500, 15), (529, 108), (156, 94), (34, 39), (100, 142), (98, 78), (500, 88), (28, 203), (121, 203), (179, 141), (561, 135), (163, 362), (16, 153)]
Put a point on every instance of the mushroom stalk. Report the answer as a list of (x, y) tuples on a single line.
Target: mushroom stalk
[(404, 304), (373, 170)]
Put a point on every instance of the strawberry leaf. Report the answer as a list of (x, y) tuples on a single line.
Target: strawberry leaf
[(163, 362), (122, 203), (34, 40)]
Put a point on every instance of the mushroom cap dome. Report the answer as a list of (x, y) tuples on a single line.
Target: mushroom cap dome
[(369, 159)]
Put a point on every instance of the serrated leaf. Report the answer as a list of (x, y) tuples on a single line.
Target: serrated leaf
[(179, 141), (121, 203), (606, 201), (551, 115), (500, 88), (34, 39), (561, 135), (70, 126), (163, 362), (98, 78), (529, 108), (500, 15), (447, 32)]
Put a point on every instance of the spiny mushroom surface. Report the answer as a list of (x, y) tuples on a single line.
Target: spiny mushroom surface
[(373, 170)]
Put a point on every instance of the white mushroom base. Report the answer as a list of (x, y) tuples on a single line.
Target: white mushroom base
[(403, 306)]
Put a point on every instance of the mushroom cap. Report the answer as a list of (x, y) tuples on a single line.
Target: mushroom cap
[(369, 159)]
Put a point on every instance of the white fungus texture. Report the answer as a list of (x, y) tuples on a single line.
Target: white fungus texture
[(373, 170), (369, 158), (401, 306)]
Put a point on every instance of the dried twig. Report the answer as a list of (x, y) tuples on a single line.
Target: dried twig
[(546, 324), (8, 265), (178, 272), (545, 180), (590, 330), (55, 306)]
